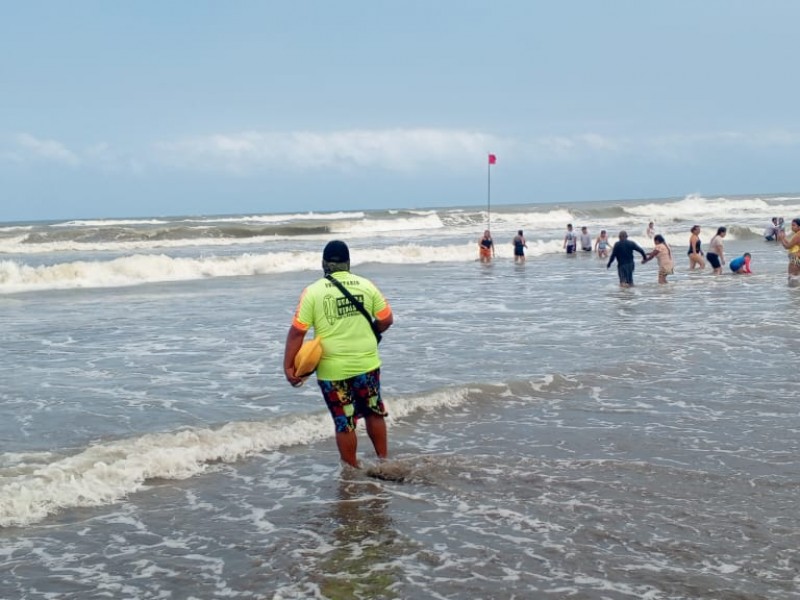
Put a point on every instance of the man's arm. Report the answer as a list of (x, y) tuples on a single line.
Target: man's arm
[(613, 255), (385, 323), (294, 339), (384, 318)]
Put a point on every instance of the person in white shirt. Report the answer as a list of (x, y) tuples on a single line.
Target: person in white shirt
[(771, 231), (586, 239)]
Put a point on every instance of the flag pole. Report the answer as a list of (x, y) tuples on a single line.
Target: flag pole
[(489, 193)]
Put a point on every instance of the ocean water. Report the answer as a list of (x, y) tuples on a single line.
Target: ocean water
[(562, 437)]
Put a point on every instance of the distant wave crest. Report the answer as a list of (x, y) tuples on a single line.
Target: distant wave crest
[(138, 269)]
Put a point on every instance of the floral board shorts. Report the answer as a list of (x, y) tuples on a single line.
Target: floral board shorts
[(353, 398)]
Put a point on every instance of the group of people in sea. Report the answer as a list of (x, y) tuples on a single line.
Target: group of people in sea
[(716, 254), (623, 250), (348, 367)]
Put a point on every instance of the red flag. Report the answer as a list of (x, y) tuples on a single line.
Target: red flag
[(492, 159)]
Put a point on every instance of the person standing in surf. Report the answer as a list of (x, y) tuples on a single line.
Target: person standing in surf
[(792, 244), (663, 254), (716, 251), (695, 253), (349, 372), (771, 231), (622, 252), (601, 244), (570, 240), (651, 230), (519, 247), (586, 239), (486, 247)]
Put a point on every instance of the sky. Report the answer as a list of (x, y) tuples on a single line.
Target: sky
[(196, 107)]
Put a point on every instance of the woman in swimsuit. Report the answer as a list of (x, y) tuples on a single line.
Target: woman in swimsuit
[(486, 247), (519, 247), (695, 254), (792, 244), (663, 253)]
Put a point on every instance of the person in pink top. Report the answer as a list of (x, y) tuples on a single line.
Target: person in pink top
[(741, 265)]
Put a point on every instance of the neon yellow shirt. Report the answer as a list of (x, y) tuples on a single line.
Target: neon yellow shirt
[(349, 347)]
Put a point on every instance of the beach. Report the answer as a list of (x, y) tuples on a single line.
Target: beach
[(562, 437)]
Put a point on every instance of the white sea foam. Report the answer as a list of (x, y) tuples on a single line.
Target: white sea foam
[(138, 269), (17, 245), (550, 219), (109, 222), (144, 268), (244, 219), (536, 221), (476, 220), (16, 228), (465, 252), (352, 225), (441, 399), (403, 225), (700, 208), (283, 218), (105, 473)]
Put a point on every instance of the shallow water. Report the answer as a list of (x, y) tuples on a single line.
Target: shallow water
[(562, 437)]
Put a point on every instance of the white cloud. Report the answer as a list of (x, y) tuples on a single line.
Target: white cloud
[(669, 146), (8, 156), (401, 150), (773, 138), (46, 149), (571, 147), (389, 149), (25, 148), (398, 150), (103, 156)]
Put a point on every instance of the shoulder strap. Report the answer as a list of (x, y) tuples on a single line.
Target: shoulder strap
[(358, 306)]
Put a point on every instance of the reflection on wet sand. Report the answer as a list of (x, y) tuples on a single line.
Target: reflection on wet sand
[(364, 544)]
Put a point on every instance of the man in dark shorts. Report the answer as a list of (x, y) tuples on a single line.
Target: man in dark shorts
[(623, 253), (570, 240), (519, 247)]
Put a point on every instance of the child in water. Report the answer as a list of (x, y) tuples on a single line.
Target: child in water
[(601, 244), (741, 265)]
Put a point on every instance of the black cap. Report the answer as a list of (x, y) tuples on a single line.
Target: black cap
[(337, 252)]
